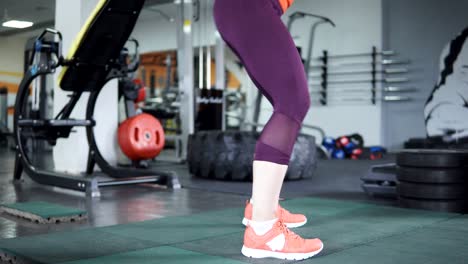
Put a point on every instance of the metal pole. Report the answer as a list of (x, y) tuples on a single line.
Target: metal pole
[(186, 85), (258, 106), (311, 46), (3, 109), (180, 38), (201, 56), (208, 47), (221, 74)]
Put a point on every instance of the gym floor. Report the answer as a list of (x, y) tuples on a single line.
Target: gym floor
[(355, 228)]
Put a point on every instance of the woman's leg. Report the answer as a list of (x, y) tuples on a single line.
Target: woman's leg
[(255, 32), (267, 181)]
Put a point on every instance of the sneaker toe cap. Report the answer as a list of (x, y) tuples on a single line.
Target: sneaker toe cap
[(313, 245)]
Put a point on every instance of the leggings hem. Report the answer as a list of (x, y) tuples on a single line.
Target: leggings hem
[(273, 160), (268, 153)]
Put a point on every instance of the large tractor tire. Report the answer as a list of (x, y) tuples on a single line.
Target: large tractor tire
[(228, 155)]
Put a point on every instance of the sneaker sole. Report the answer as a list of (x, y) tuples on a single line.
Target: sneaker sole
[(258, 253), (245, 222)]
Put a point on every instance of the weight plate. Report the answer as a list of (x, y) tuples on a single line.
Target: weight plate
[(141, 137), (432, 191), (432, 158), (379, 190), (454, 206), (433, 175)]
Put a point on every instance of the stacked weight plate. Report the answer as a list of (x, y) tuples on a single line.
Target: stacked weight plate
[(433, 179), (380, 181)]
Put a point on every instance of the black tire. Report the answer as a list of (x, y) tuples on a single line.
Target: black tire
[(453, 206), (191, 160), (241, 168), (207, 157), (228, 155), (432, 191), (424, 158), (194, 157), (220, 171), (303, 159), (434, 175)]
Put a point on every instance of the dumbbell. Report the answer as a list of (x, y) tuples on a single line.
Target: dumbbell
[(329, 144), (338, 154), (356, 154), (346, 145)]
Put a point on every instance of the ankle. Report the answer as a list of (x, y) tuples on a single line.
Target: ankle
[(251, 202), (263, 218), (259, 214), (262, 213), (262, 227)]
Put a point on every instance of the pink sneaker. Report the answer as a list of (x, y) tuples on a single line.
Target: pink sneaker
[(289, 219), (280, 243)]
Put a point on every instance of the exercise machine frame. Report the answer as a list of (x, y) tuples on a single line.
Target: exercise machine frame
[(47, 57)]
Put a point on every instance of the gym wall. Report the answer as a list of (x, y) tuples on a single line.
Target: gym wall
[(428, 25), (419, 30), (358, 28), (156, 33), (11, 66), (11, 53)]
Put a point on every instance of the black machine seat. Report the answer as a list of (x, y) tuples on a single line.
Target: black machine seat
[(52, 129), (54, 123), (160, 113), (98, 45)]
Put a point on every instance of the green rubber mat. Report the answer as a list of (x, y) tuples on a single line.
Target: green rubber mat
[(69, 246), (352, 233), (425, 245), (43, 212), (158, 255)]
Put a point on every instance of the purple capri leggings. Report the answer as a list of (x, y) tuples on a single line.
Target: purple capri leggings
[(254, 31)]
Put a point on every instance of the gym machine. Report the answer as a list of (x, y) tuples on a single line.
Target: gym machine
[(163, 103), (179, 102), (4, 133), (210, 99), (94, 62), (321, 20), (358, 78)]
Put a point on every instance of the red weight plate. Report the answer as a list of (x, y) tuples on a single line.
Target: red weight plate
[(141, 137)]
